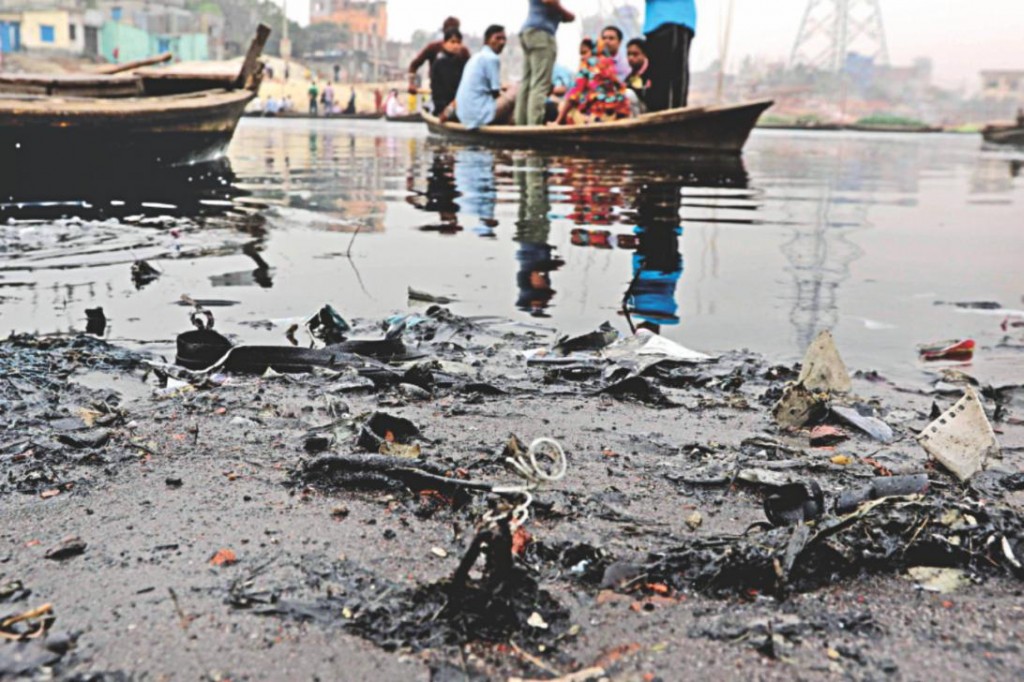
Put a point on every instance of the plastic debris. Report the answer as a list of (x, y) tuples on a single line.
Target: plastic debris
[(881, 486), (647, 343), (872, 426), (798, 406), (957, 349), (67, 548), (795, 503), (824, 436), (604, 336), (961, 439), (95, 321), (424, 297), (939, 580), (823, 369)]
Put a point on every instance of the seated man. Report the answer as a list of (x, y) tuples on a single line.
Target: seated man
[(480, 100), (611, 36), (446, 70)]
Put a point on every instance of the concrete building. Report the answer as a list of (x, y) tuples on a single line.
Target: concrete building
[(61, 30), (1003, 85), (135, 29), (367, 24), (118, 30), (10, 32)]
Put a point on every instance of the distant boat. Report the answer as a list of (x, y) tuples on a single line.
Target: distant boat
[(1004, 133), (91, 123), (367, 116), (416, 117), (721, 129)]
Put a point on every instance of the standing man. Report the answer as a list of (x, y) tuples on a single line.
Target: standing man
[(479, 100), (446, 70), (670, 26), (434, 49), (313, 92), (539, 51)]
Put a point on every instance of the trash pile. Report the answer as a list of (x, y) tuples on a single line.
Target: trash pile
[(51, 424), (826, 486)]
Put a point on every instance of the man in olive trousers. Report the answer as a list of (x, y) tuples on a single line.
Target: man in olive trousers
[(539, 51)]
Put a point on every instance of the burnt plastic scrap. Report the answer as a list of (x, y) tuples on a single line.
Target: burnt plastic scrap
[(882, 536), (795, 503)]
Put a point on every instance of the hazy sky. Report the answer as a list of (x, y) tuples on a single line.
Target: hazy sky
[(961, 37)]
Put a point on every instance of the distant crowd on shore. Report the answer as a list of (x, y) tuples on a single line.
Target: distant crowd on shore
[(613, 81)]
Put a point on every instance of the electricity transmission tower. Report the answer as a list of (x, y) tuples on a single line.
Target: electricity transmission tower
[(831, 29)]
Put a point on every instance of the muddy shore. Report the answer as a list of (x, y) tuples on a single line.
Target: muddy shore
[(210, 544)]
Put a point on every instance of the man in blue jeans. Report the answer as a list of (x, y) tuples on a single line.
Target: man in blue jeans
[(669, 26), (539, 52)]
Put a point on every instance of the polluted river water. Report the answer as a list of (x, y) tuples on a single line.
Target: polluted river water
[(876, 237), (346, 524)]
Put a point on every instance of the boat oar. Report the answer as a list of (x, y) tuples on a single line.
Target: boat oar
[(112, 69)]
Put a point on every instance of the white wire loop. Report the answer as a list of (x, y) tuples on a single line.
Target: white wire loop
[(527, 466)]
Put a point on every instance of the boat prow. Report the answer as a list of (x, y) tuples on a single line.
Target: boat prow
[(720, 129), (1004, 134)]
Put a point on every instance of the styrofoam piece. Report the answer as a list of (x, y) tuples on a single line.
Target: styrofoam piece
[(961, 439), (823, 368)]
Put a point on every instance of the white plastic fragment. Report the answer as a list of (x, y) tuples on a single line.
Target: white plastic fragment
[(823, 369), (537, 621), (961, 439), (655, 344)]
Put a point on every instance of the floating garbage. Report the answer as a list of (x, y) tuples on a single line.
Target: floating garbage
[(144, 273), (95, 321), (424, 297), (961, 439), (957, 349)]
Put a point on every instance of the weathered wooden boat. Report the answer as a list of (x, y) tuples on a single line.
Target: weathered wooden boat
[(406, 118), (1004, 133), (722, 129), (42, 133)]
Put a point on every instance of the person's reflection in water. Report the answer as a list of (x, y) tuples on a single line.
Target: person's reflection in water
[(658, 261), (537, 258), (440, 194), (475, 179)]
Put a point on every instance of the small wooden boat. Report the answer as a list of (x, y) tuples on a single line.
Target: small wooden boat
[(720, 129), (45, 133), (406, 118), (1008, 134)]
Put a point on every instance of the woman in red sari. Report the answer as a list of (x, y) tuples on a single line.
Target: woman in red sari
[(598, 94)]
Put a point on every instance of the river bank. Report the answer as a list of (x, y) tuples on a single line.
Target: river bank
[(220, 537)]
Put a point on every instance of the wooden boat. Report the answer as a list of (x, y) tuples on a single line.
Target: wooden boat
[(1008, 134), (406, 118), (48, 133), (720, 129)]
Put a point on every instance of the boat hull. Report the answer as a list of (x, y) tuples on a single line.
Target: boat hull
[(103, 135), (1008, 135), (719, 129)]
